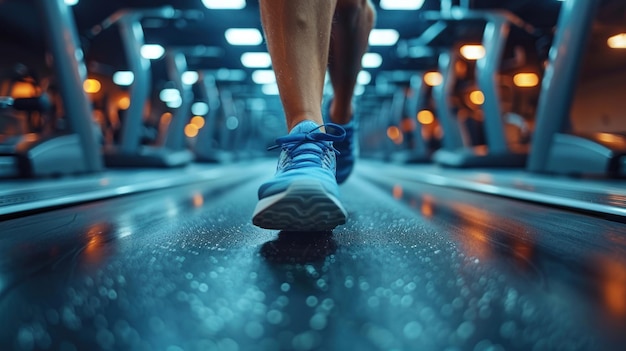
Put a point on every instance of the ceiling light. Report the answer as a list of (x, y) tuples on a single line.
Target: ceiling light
[(433, 79), (401, 4), (425, 117), (191, 130), (270, 89), (200, 108), (123, 78), (617, 41), (371, 60), (175, 103), (364, 78), (383, 37), (526, 80), (264, 76), (189, 77), (256, 59), (224, 4), (71, 2), (232, 122), (197, 121), (91, 86), (152, 51), (473, 52), (123, 103), (477, 97), (169, 94), (243, 36)]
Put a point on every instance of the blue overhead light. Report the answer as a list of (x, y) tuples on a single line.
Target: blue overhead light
[(169, 95), (371, 60), (270, 89), (383, 37), (224, 4), (232, 122), (243, 36), (152, 51), (200, 108), (189, 77), (264, 76), (123, 78), (71, 2), (256, 59), (364, 78), (401, 4)]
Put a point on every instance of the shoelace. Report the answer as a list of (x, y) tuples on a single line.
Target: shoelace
[(290, 143)]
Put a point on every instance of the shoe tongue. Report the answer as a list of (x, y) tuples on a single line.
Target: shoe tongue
[(305, 127)]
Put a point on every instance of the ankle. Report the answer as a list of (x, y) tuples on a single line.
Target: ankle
[(340, 114)]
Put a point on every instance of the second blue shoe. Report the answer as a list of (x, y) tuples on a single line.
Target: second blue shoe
[(347, 148)]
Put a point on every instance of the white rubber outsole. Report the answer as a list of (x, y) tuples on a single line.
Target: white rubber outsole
[(304, 206)]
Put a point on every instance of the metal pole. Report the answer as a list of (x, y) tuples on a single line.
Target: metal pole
[(494, 39), (416, 103), (210, 94), (452, 137), (133, 40), (61, 32), (446, 7), (176, 66), (558, 85)]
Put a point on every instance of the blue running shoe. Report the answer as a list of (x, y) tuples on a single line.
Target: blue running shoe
[(303, 195), (347, 152), (347, 148)]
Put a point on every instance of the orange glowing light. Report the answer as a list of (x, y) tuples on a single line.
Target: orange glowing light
[(198, 121), (425, 117), (23, 90), (617, 41), (433, 78), (526, 80), (473, 52), (92, 86), (427, 208), (477, 97), (397, 191), (198, 200), (393, 133), (614, 285), (123, 103), (191, 130), (166, 118), (94, 247)]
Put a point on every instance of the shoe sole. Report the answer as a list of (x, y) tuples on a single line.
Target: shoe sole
[(304, 206)]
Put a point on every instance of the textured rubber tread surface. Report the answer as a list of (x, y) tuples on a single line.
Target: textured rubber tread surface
[(304, 206)]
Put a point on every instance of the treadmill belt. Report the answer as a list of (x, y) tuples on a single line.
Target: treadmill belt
[(416, 267)]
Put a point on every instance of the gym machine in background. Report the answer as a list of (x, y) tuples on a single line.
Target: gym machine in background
[(457, 150), (58, 153), (130, 152), (555, 148)]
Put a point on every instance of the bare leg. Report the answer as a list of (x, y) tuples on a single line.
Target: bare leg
[(354, 19), (298, 38)]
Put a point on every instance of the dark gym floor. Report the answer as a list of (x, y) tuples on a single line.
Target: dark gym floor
[(417, 267)]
